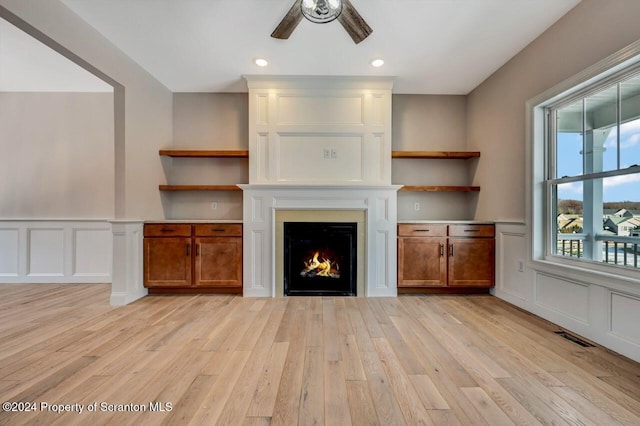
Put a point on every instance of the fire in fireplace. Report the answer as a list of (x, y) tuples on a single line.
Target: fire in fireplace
[(320, 258)]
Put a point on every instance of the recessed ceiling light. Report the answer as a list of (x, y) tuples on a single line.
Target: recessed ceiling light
[(261, 62), (377, 63)]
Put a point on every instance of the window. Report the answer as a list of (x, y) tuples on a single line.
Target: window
[(592, 173)]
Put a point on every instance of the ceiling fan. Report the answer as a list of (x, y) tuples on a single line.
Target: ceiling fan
[(323, 11)]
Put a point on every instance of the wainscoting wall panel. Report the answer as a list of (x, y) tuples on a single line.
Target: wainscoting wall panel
[(624, 317), (9, 240), (55, 251), (566, 297), (605, 310)]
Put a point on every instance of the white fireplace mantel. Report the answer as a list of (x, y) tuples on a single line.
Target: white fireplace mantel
[(262, 201)]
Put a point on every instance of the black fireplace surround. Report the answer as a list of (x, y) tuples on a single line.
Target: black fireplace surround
[(320, 258)]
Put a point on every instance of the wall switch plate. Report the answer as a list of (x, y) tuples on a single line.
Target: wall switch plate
[(334, 153), (416, 206), (214, 205), (520, 265)]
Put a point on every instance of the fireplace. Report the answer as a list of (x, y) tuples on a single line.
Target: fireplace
[(320, 258)]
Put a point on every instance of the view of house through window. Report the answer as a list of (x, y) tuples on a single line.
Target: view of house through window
[(593, 173)]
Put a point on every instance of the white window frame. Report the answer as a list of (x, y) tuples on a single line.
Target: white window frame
[(540, 221)]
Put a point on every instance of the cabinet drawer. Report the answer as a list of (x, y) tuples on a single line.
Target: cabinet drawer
[(471, 230), (167, 230), (422, 230), (219, 230)]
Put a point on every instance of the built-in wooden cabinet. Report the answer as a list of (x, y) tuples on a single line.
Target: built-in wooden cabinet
[(445, 256), (193, 257)]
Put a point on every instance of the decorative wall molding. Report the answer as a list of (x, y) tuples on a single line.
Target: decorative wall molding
[(55, 251), (319, 130)]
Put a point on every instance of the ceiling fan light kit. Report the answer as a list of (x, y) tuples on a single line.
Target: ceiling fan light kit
[(323, 11)]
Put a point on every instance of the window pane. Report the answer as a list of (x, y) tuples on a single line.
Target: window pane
[(569, 142), (601, 141), (630, 127), (568, 204)]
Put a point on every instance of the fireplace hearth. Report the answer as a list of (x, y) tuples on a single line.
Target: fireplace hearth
[(320, 258)]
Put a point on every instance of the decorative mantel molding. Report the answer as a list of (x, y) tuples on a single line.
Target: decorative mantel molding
[(262, 201), (319, 130)]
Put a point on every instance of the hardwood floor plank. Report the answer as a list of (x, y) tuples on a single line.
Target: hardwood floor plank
[(336, 403), (363, 412), (218, 395), (487, 408), (412, 408), (428, 392), (191, 401), (617, 404), (332, 350), (265, 393), (312, 394), (351, 361), (589, 410), (385, 403), (287, 404)]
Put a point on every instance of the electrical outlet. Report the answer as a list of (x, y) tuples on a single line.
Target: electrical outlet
[(416, 206), (327, 153), (520, 266), (214, 205)]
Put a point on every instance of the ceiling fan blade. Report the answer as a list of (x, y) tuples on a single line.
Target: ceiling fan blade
[(353, 23), (289, 22)]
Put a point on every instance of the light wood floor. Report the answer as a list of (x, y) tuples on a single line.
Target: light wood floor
[(337, 361)]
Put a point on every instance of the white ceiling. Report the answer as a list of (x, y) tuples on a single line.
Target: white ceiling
[(430, 46)]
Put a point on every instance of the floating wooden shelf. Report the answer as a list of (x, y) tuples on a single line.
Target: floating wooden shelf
[(199, 188), (195, 153), (439, 188), (452, 155)]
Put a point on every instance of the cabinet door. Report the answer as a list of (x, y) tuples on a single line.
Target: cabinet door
[(218, 262), (471, 262), (422, 262), (167, 262)]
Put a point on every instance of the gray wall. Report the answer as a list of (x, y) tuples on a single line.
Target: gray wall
[(59, 156), (590, 32)]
